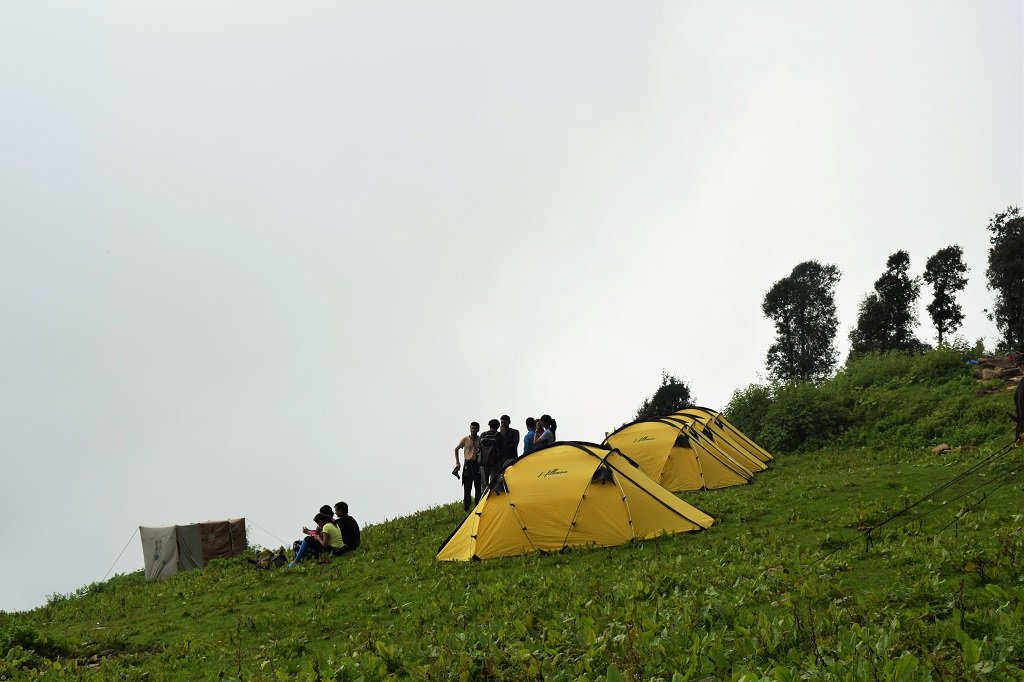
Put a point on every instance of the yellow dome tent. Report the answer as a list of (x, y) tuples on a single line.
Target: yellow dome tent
[(679, 458), (569, 494), (714, 422)]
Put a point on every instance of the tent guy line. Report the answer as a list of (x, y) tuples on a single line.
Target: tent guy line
[(866, 534), (134, 533)]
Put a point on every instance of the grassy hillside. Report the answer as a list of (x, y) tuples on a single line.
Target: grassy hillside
[(882, 400), (938, 598)]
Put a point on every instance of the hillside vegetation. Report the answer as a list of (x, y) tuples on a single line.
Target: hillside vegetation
[(783, 587), (881, 400)]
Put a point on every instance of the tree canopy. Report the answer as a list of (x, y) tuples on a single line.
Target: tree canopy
[(802, 306), (672, 396), (887, 316), (1006, 276), (945, 271)]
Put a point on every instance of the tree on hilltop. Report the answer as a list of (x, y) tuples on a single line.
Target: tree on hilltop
[(1006, 276), (673, 395), (803, 308), (945, 271), (887, 316)]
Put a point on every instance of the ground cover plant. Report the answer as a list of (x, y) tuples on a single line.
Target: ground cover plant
[(880, 400), (785, 586)]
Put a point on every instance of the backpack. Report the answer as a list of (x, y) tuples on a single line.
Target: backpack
[(489, 449)]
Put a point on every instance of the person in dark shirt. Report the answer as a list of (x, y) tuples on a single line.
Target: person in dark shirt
[(510, 440), (489, 449), (349, 528)]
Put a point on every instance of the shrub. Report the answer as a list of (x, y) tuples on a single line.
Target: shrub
[(879, 368), (748, 408), (803, 417)]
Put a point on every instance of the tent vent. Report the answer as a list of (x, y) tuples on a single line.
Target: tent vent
[(601, 475), (499, 486), (682, 441)]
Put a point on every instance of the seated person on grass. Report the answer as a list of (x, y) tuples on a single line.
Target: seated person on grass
[(328, 540), (349, 527), (326, 511)]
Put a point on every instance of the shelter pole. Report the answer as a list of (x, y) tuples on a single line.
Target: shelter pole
[(121, 554)]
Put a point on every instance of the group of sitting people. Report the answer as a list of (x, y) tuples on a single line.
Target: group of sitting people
[(335, 533)]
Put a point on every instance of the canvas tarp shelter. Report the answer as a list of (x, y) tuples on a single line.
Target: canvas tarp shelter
[(569, 495), (679, 458), (720, 426), (170, 549)]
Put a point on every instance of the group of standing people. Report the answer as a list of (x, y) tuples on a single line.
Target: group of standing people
[(485, 455), (335, 533)]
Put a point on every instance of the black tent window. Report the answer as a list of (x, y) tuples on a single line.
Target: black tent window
[(602, 474), (682, 441)]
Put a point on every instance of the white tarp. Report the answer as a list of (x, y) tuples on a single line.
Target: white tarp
[(160, 549)]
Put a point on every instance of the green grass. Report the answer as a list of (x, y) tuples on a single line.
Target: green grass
[(882, 400), (783, 587), (745, 600)]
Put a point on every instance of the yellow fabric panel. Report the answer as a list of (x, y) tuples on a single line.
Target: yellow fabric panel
[(727, 443), (499, 532), (461, 545), (722, 425), (602, 518), (710, 446), (682, 468), (682, 472), (739, 452), (654, 509), (718, 470), (551, 495), (546, 489), (646, 443)]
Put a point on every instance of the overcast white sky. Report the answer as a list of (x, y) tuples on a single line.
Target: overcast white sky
[(262, 256)]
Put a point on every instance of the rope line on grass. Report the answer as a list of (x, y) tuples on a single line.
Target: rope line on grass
[(981, 500), (134, 533), (970, 471), (1002, 480)]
